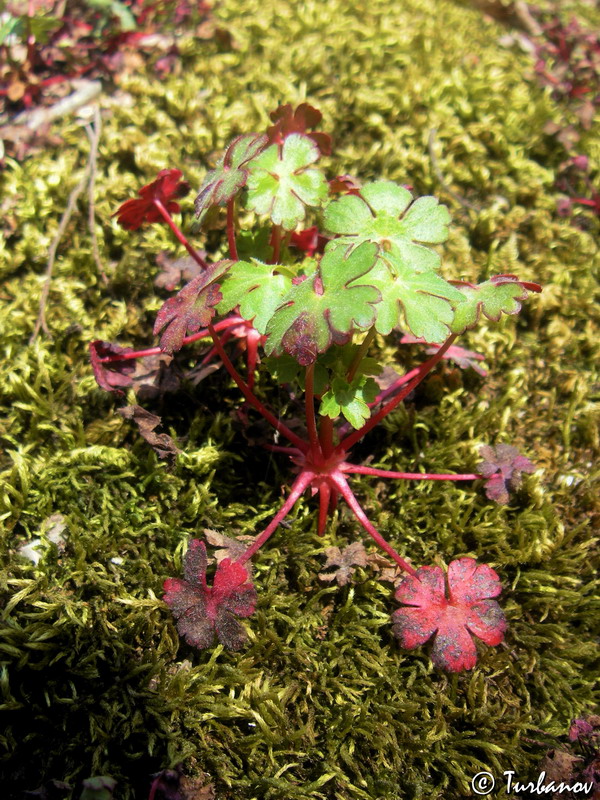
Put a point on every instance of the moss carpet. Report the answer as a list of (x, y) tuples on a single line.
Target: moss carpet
[(322, 704)]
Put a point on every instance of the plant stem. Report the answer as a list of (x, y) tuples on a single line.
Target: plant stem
[(230, 322), (360, 354), (276, 244), (426, 367), (324, 501), (300, 484), (233, 254), (341, 483), (423, 476), (326, 436), (252, 398), (179, 235), (309, 403)]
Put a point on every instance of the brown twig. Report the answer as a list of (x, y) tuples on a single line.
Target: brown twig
[(65, 219), (85, 92), (94, 137), (439, 175)]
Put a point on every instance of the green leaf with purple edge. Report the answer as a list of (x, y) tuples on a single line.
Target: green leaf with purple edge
[(324, 309), (424, 299), (281, 182), (386, 214), (501, 294), (256, 288), (191, 309), (230, 174), (466, 609), (204, 611)]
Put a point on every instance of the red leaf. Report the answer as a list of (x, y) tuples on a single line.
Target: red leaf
[(503, 467), (466, 610), (191, 308), (310, 241), (202, 611), (111, 376), (304, 117), (168, 185)]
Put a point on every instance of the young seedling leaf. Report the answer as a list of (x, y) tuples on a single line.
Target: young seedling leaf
[(501, 294), (162, 444), (287, 121), (191, 309), (231, 173), (282, 184), (325, 308), (350, 399), (467, 609), (204, 611), (256, 288), (112, 376), (354, 555), (503, 467), (385, 213), (421, 301)]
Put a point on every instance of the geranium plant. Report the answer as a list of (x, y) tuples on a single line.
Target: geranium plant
[(317, 305)]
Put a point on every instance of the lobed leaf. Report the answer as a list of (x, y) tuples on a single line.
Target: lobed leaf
[(281, 182), (325, 308), (501, 294), (384, 213), (230, 174), (191, 309), (256, 288), (350, 399)]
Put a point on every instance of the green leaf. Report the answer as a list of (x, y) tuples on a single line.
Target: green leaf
[(285, 369), (386, 214), (231, 173), (256, 288), (281, 182), (12, 26), (324, 309), (420, 301), (350, 399), (501, 294)]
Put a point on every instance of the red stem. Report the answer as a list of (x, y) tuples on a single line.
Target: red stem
[(230, 322), (233, 254), (179, 235), (348, 495), (309, 402), (324, 501), (326, 436), (276, 244), (423, 476), (426, 367), (300, 484), (252, 398)]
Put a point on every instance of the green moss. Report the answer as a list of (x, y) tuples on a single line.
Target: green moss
[(322, 704)]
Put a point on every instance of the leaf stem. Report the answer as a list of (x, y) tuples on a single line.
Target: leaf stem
[(179, 235), (360, 354), (324, 502), (233, 254), (230, 322), (424, 369), (348, 495), (309, 403), (300, 484), (276, 244), (252, 398), (326, 436), (423, 476)]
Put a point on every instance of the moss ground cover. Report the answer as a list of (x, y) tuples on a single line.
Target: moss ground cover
[(322, 704)]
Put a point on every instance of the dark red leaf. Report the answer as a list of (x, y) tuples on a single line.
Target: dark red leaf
[(112, 376), (503, 467), (344, 184), (288, 121), (204, 611), (191, 309), (467, 609), (167, 186), (310, 241)]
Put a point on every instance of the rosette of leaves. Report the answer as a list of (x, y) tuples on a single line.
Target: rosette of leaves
[(282, 183), (231, 173), (388, 215)]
